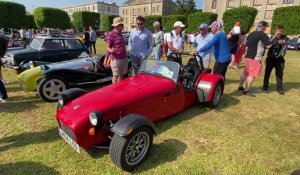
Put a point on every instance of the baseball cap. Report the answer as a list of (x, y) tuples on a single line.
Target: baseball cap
[(203, 26), (263, 23), (179, 24), (216, 24)]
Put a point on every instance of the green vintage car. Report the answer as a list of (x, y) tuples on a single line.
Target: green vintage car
[(51, 79)]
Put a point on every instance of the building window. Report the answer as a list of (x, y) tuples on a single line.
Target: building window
[(214, 4), (138, 11), (288, 1), (133, 11), (93, 8), (272, 2), (144, 9), (153, 9), (123, 11), (132, 20), (230, 3), (157, 9), (108, 9), (257, 2), (269, 14), (126, 20)]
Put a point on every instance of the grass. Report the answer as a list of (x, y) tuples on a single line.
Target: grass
[(243, 135)]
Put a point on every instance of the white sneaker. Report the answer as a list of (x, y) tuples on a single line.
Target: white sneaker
[(2, 100)]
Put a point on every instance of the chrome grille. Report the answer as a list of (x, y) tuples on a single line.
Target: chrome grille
[(67, 130)]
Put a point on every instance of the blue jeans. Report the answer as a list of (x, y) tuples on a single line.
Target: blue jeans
[(157, 54), (3, 92), (136, 63)]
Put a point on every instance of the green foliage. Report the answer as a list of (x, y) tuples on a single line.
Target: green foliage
[(185, 7), (51, 17), (245, 15), (149, 20), (107, 21), (11, 14), (86, 19), (168, 21), (29, 22), (195, 19), (289, 17)]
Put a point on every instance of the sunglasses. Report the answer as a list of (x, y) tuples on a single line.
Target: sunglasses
[(139, 24)]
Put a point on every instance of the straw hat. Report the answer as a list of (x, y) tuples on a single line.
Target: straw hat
[(117, 21)]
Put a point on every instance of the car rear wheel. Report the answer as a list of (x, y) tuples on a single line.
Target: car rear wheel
[(50, 87), (217, 94), (129, 152)]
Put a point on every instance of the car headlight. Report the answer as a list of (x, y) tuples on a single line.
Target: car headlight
[(12, 60), (31, 64), (60, 100), (95, 118)]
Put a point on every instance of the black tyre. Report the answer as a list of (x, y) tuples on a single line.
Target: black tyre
[(217, 94), (129, 152), (50, 87)]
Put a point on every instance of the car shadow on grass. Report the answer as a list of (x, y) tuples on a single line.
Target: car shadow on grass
[(26, 167), (19, 104), (167, 151), (14, 87), (28, 138)]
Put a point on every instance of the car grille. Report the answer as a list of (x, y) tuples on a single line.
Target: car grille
[(67, 130)]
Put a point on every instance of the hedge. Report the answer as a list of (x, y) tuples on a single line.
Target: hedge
[(86, 19), (149, 20), (51, 17), (168, 21), (107, 21), (195, 19), (289, 17), (245, 15), (11, 14), (29, 22)]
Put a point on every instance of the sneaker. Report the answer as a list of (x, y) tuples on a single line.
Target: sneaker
[(241, 89), (2, 100), (248, 93), (264, 88), (280, 92)]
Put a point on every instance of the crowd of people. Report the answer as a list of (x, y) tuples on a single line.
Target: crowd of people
[(227, 49)]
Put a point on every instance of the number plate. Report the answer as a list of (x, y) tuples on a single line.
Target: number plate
[(69, 140)]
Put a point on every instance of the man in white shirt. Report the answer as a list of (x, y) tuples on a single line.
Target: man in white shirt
[(175, 42), (23, 34)]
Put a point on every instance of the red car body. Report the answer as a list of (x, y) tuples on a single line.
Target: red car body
[(152, 96)]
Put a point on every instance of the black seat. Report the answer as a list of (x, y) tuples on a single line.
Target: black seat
[(190, 73)]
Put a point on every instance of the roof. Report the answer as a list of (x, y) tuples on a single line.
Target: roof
[(137, 2)]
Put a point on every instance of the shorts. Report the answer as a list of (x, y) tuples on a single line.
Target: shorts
[(253, 67), (119, 66)]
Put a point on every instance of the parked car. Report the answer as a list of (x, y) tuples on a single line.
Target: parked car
[(44, 50), (293, 44), (125, 36), (51, 79), (123, 113)]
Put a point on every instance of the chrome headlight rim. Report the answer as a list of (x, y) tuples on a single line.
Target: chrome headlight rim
[(95, 118)]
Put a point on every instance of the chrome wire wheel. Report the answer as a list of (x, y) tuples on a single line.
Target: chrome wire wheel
[(137, 148), (52, 88)]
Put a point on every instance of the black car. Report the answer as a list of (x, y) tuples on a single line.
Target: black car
[(293, 44), (44, 50)]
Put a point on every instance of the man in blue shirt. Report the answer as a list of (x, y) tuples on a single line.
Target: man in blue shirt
[(201, 40), (140, 44), (221, 49)]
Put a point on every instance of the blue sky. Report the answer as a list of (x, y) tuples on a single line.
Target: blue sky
[(32, 4)]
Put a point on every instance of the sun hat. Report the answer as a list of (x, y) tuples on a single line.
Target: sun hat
[(216, 24), (179, 24), (117, 21), (156, 24)]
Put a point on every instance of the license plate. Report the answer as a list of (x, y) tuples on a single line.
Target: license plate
[(73, 144)]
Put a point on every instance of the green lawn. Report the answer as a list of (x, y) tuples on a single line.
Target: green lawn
[(243, 135)]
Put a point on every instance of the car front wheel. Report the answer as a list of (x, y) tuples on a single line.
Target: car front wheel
[(50, 87), (129, 152), (217, 94)]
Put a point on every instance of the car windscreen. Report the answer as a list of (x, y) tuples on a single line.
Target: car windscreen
[(36, 43), (165, 69), (73, 44)]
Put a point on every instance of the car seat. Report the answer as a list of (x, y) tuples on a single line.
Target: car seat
[(190, 73)]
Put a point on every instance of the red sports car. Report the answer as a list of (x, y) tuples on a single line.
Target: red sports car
[(123, 113)]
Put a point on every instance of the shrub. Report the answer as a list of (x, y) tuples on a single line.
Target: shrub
[(11, 14), (245, 15), (107, 21), (29, 22), (289, 17), (168, 21), (195, 19), (149, 20), (51, 17), (86, 19)]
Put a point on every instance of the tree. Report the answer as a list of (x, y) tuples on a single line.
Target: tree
[(245, 15), (11, 14), (29, 22), (107, 21), (51, 17), (185, 7), (168, 21), (86, 19), (195, 19), (288, 17)]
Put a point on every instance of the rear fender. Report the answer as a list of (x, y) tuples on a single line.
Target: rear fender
[(130, 123), (206, 85)]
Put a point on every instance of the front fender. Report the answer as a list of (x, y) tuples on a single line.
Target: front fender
[(130, 123), (206, 85)]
